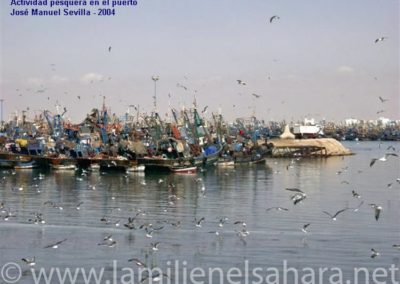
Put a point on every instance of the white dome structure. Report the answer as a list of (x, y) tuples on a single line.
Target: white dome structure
[(287, 134)]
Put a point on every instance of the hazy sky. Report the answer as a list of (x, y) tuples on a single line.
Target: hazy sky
[(318, 60)]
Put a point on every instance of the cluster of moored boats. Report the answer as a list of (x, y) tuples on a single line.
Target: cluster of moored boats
[(183, 144)]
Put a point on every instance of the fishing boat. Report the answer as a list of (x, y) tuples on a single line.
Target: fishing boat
[(26, 165), (225, 162), (63, 167), (184, 170), (62, 162), (17, 161), (249, 159)]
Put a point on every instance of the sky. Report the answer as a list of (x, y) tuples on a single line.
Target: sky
[(319, 59)]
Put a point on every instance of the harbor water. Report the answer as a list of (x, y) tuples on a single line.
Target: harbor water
[(83, 208)]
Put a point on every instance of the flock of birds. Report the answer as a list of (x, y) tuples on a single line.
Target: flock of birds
[(152, 225), (272, 20), (150, 228)]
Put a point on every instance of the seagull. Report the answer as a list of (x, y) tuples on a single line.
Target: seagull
[(295, 190), (78, 206), (55, 245), (304, 229), (240, 223), (377, 209), (391, 148), (380, 39), (29, 261), (109, 49), (105, 220), (154, 278), (176, 224), (298, 197), (333, 217), (391, 154), (130, 224), (256, 96), (383, 159), (372, 162), (380, 111), (214, 232), (109, 243), (396, 246), (374, 253), (149, 232), (222, 221), (242, 234), (137, 262), (154, 246), (204, 110), (108, 238), (355, 194), (38, 219), (382, 99), (181, 86), (275, 17), (240, 82), (277, 208), (198, 222)]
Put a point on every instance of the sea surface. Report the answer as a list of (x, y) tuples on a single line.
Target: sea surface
[(73, 203)]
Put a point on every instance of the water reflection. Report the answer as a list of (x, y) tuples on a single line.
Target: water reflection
[(240, 193)]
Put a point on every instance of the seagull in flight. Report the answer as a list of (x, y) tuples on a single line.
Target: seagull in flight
[(372, 162), (333, 217), (181, 86), (380, 39), (55, 245), (391, 147), (240, 82), (355, 194), (154, 246), (29, 261), (275, 17), (304, 229), (78, 206), (295, 190), (382, 159), (277, 208), (374, 253), (108, 243), (256, 96), (377, 209), (222, 221), (198, 222), (299, 196), (391, 154), (383, 100), (137, 262), (130, 225), (109, 49)]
